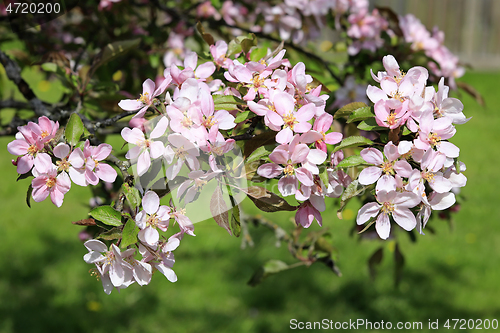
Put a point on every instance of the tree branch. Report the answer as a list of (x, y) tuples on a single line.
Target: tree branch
[(14, 74)]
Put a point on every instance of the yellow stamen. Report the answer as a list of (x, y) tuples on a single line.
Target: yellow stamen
[(387, 208), (51, 182), (290, 120), (288, 171)]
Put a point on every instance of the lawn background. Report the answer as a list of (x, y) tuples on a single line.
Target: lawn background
[(45, 285)]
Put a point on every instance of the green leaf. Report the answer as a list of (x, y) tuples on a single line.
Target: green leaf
[(351, 161), (133, 196), (323, 174), (111, 234), (241, 44), (107, 215), (258, 53), (361, 114), (74, 129), (370, 125), (227, 102), (129, 235), (235, 221), (242, 116), (353, 141), (346, 110), (219, 210), (270, 267), (354, 189), (259, 153), (49, 67)]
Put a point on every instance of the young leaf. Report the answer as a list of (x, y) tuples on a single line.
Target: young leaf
[(346, 110), (74, 129), (107, 215), (242, 116), (129, 235), (259, 153), (354, 189), (270, 267), (361, 114), (370, 124), (353, 141), (219, 210), (227, 102), (351, 161), (132, 195), (235, 221), (114, 233)]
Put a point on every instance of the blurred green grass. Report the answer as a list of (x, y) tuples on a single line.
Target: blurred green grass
[(45, 285)]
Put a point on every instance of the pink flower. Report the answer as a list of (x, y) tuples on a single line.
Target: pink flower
[(72, 163), (30, 141), (306, 214), (113, 269), (432, 162), (390, 203), (293, 121), (147, 97), (145, 149), (184, 150), (94, 168), (48, 182), (191, 70), (387, 167), (322, 124), (219, 51), (433, 131), (184, 222), (289, 155), (152, 216)]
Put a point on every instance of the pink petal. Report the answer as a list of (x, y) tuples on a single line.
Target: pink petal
[(383, 226), (205, 70), (391, 151), (288, 185), (269, 170), (369, 175), (284, 103), (130, 104), (148, 86), (18, 147), (300, 153), (160, 128), (305, 176), (151, 202), (405, 218), (372, 156), (366, 212), (106, 172), (333, 138), (102, 151), (143, 163), (386, 183), (61, 150), (284, 136)]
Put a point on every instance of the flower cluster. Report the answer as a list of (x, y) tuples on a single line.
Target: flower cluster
[(53, 164), (420, 173)]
